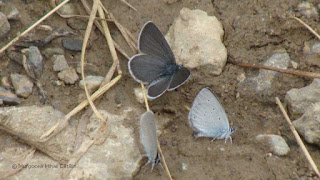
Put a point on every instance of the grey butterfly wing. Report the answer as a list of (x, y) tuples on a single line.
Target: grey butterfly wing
[(148, 134), (158, 86), (152, 42), (145, 68), (207, 116), (179, 77)]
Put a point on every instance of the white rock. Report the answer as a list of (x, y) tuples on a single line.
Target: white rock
[(299, 100), (139, 95), (59, 63), (196, 40), (308, 125), (276, 143), (118, 156), (92, 82)]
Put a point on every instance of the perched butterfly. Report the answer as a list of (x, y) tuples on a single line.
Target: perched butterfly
[(208, 118), (148, 138), (155, 65)]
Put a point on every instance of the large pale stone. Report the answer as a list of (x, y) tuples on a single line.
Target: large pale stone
[(299, 100), (196, 40)]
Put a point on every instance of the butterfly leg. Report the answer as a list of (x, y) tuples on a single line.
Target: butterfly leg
[(213, 139), (147, 164), (226, 139)]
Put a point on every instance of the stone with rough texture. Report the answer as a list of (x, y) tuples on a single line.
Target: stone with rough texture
[(22, 85), (4, 25), (308, 10), (69, 76), (92, 82), (299, 100), (308, 125), (311, 52), (261, 85), (29, 123), (196, 40), (11, 12), (59, 63), (276, 144), (118, 156)]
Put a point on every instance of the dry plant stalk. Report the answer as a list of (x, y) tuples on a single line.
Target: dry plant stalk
[(33, 26), (287, 71), (125, 2), (307, 26), (296, 135)]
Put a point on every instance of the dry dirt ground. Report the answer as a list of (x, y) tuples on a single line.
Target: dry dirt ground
[(253, 31)]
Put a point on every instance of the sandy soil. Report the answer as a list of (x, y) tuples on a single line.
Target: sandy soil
[(253, 31)]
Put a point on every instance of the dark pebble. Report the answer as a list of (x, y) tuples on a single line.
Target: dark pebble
[(72, 44)]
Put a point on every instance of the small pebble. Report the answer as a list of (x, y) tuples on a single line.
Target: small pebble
[(183, 166), (72, 44), (4, 26), (5, 82), (59, 63), (11, 12), (294, 64), (241, 78), (69, 76), (22, 85), (33, 64), (276, 143), (8, 98), (77, 24), (93, 83), (139, 95)]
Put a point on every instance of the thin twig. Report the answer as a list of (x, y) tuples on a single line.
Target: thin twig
[(296, 135), (287, 71), (159, 148), (307, 26), (33, 26), (125, 2)]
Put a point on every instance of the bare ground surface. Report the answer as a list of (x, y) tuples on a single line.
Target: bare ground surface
[(253, 31)]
